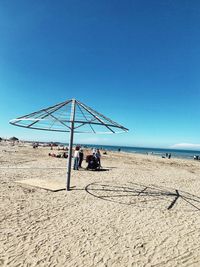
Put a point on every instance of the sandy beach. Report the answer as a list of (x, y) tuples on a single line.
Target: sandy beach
[(142, 210)]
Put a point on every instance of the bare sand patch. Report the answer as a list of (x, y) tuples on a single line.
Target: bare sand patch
[(142, 211)]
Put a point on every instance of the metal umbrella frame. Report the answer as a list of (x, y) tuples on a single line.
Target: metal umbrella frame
[(70, 116)]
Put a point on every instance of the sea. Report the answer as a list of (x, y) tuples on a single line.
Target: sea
[(175, 153)]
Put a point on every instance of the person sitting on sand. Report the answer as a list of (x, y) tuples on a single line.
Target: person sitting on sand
[(65, 155), (59, 155), (35, 145), (93, 163), (52, 154)]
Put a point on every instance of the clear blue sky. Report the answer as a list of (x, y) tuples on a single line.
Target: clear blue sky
[(137, 62)]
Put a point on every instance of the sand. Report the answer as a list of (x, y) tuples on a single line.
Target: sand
[(142, 210)]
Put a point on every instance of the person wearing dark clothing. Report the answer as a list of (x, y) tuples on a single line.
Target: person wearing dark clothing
[(81, 155), (93, 163)]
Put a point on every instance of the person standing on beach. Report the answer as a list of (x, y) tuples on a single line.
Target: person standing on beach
[(81, 155), (76, 158), (98, 157)]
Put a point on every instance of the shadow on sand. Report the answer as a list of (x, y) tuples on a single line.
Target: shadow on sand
[(144, 196), (98, 170)]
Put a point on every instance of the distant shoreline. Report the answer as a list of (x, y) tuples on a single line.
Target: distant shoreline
[(175, 153)]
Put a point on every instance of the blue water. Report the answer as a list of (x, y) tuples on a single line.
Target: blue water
[(175, 153)]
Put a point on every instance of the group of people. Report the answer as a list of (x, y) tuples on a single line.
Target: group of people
[(94, 160), (167, 155), (59, 155)]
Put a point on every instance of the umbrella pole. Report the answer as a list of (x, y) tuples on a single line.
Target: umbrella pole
[(69, 162)]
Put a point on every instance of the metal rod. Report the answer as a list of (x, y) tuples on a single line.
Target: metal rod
[(86, 120), (36, 112), (48, 113), (69, 162), (95, 116), (101, 115), (57, 119)]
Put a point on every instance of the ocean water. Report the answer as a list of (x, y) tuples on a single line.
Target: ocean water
[(175, 153)]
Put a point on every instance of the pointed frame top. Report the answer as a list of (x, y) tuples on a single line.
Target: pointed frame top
[(58, 118)]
